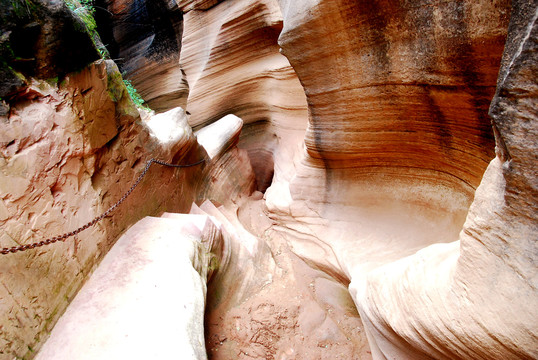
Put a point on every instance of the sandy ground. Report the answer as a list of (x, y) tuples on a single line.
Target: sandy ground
[(302, 314)]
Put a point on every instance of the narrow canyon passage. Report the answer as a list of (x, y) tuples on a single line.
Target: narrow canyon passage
[(363, 181)]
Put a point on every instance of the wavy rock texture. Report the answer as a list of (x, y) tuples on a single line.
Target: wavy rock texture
[(144, 37), (400, 90), (233, 65), (398, 97), (66, 155), (397, 142), (475, 299), (187, 5)]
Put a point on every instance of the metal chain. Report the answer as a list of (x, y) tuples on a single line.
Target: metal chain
[(67, 235)]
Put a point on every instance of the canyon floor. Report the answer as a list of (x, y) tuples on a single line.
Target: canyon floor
[(301, 314)]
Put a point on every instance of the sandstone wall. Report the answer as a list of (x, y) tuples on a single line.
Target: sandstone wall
[(229, 63), (398, 140), (398, 135), (475, 298), (144, 38), (397, 90), (68, 153), (233, 66)]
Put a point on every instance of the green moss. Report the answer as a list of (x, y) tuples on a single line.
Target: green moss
[(213, 263), (84, 10), (52, 81), (24, 8), (116, 87)]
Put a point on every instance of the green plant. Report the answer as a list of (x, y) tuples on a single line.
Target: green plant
[(84, 10), (23, 8), (135, 96)]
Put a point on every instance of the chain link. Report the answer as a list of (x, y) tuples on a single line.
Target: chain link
[(67, 235)]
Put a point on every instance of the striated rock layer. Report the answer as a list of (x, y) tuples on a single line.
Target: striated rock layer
[(233, 66), (397, 90), (475, 298), (397, 142), (144, 38), (398, 134)]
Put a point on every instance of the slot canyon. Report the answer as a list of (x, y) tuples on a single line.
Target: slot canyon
[(353, 179)]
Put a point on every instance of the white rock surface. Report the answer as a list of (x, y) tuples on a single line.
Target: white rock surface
[(170, 127), (219, 136), (146, 299)]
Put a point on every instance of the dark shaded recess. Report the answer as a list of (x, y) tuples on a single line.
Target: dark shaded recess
[(25, 46), (259, 140), (264, 175), (166, 42), (127, 31), (105, 27)]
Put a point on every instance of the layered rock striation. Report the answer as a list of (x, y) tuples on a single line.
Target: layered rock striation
[(364, 127), (233, 66), (405, 88), (475, 298)]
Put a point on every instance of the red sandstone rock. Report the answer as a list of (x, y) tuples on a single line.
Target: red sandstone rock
[(67, 155)]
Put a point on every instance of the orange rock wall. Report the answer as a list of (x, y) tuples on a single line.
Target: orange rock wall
[(398, 88)]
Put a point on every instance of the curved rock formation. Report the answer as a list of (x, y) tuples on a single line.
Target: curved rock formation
[(233, 66), (398, 109), (475, 299), (404, 91), (154, 277), (402, 141)]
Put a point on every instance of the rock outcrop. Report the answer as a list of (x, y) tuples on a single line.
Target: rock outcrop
[(68, 153), (40, 39)]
